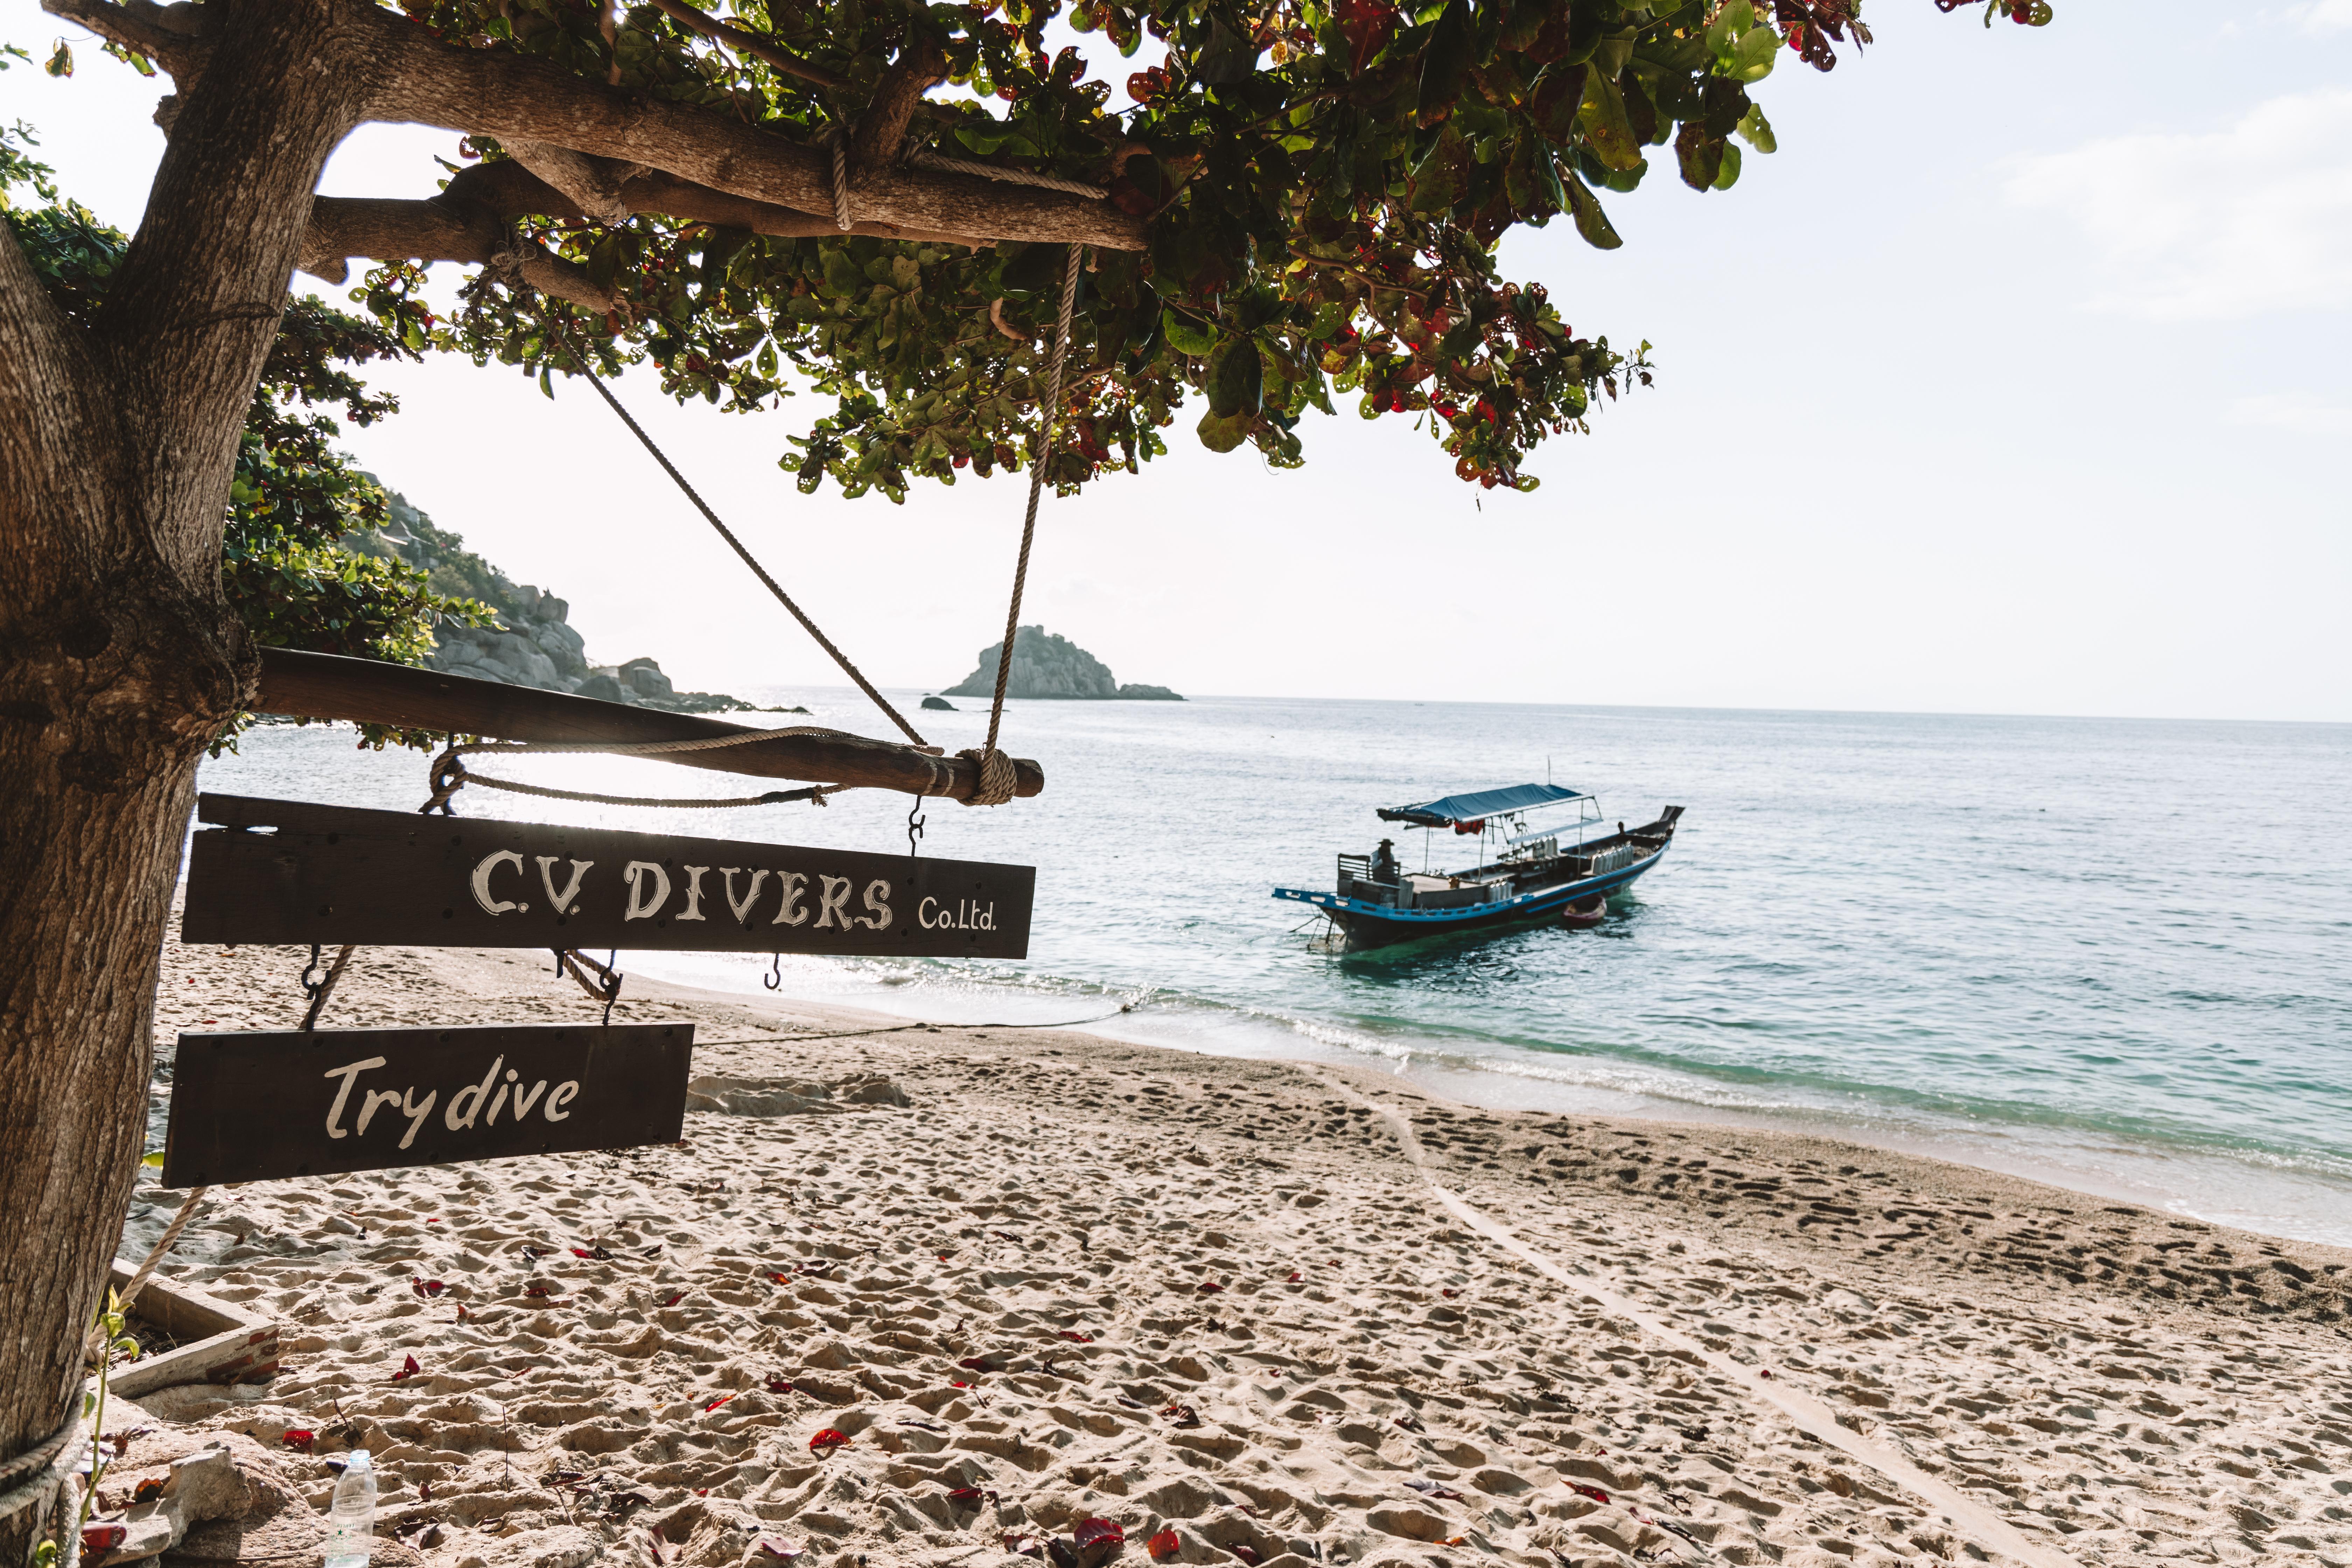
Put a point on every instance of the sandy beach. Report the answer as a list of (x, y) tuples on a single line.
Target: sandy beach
[(1242, 1311)]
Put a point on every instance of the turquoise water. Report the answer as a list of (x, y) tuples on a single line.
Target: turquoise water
[(2110, 954)]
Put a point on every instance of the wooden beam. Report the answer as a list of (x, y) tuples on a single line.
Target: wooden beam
[(361, 691)]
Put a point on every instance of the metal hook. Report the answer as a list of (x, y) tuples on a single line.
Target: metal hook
[(774, 979), (311, 978), (915, 827)]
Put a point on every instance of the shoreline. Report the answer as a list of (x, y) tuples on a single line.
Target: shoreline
[(2245, 1190), (1436, 1332)]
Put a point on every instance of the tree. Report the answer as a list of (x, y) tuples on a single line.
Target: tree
[(1305, 205)]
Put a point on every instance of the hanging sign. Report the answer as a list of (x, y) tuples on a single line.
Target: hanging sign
[(255, 1107), (281, 872)]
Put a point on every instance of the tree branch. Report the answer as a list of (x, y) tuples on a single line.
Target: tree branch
[(873, 147), (418, 78), (744, 42), (170, 34)]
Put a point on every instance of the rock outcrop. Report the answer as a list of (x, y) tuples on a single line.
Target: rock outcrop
[(533, 643), (1048, 666)]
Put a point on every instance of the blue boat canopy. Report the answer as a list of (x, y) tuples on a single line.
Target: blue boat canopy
[(1454, 808)]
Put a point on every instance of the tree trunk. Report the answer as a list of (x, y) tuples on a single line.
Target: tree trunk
[(118, 660)]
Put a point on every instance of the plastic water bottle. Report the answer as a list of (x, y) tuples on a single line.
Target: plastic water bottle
[(350, 1523)]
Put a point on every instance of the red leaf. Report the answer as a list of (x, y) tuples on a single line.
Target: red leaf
[(1022, 1545), (1244, 1551), (966, 1497), (826, 1441), (779, 1279), (539, 1289), (1449, 1295), (96, 1539), (581, 1252), (1185, 1416), (777, 1547), (1164, 1544), (1208, 1287), (654, 1546), (1368, 25), (300, 1438), (957, 1383), (427, 1286), (715, 1404), (1595, 1493), (1098, 1533), (147, 1491), (975, 1363), (408, 1369), (780, 1385), (674, 1298), (463, 1315), (1077, 1339), (1295, 1277)]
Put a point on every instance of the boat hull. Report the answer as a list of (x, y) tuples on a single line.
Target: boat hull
[(1369, 925)]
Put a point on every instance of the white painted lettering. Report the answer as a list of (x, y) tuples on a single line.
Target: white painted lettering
[(342, 1095), (877, 901), (375, 1096), (471, 1097), (523, 1102), (833, 900), (694, 892), (415, 1113), (788, 910), (923, 912), (564, 1093), (490, 1118), (562, 901), (642, 876), (491, 903), (741, 907)]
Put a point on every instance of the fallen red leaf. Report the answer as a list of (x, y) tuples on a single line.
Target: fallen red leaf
[(1595, 1493), (1454, 1541), (1077, 1339), (653, 1541), (966, 1497), (782, 1551), (96, 1539), (1022, 1545), (425, 1287), (780, 1385), (408, 1369), (463, 1315), (1245, 1552), (957, 1383), (425, 1491), (1184, 1414), (1295, 1277), (702, 1491), (674, 1298), (712, 1405), (1098, 1533), (1164, 1544), (1208, 1287), (975, 1363), (776, 1278), (540, 1289), (147, 1491), (826, 1441), (300, 1438), (1449, 1295)]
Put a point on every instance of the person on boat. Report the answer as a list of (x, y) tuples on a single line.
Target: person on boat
[(1384, 864)]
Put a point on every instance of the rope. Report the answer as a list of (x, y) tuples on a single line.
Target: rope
[(326, 987), (928, 160), (41, 1468), (450, 776), (570, 960), (840, 179), (841, 206), (997, 777), (164, 1242)]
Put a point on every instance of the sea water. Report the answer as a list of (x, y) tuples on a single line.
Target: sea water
[(2112, 955)]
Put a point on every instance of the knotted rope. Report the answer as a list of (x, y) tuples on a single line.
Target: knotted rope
[(929, 160), (840, 178), (997, 777), (450, 774), (31, 1476)]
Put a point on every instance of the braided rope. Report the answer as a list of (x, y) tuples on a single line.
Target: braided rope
[(823, 641), (996, 772), (928, 160), (450, 774), (40, 1468), (146, 1268), (840, 179)]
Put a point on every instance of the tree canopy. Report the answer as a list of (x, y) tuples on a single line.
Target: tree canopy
[(1301, 209)]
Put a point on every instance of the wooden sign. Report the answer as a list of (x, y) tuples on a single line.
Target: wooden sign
[(255, 1107), (281, 872)]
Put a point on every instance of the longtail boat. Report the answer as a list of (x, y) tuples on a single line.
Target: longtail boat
[(1565, 869)]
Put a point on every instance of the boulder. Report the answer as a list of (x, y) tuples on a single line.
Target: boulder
[(939, 705), (1047, 665), (644, 677), (605, 688)]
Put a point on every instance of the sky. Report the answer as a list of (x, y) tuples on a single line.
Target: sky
[(2018, 380)]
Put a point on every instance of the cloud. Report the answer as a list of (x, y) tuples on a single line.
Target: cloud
[(2213, 226), (2296, 411), (2324, 15)]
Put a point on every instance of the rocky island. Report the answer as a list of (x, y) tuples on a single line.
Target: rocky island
[(1049, 666), (533, 644)]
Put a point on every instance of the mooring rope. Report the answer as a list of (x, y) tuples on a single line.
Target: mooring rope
[(929, 160), (997, 777)]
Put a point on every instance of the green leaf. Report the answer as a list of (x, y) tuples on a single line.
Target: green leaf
[(1237, 379), (1753, 56), (1728, 175), (1189, 336), (153, 1159), (1445, 65), (1606, 129), (1223, 432), (1590, 221), (1757, 131), (61, 62)]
